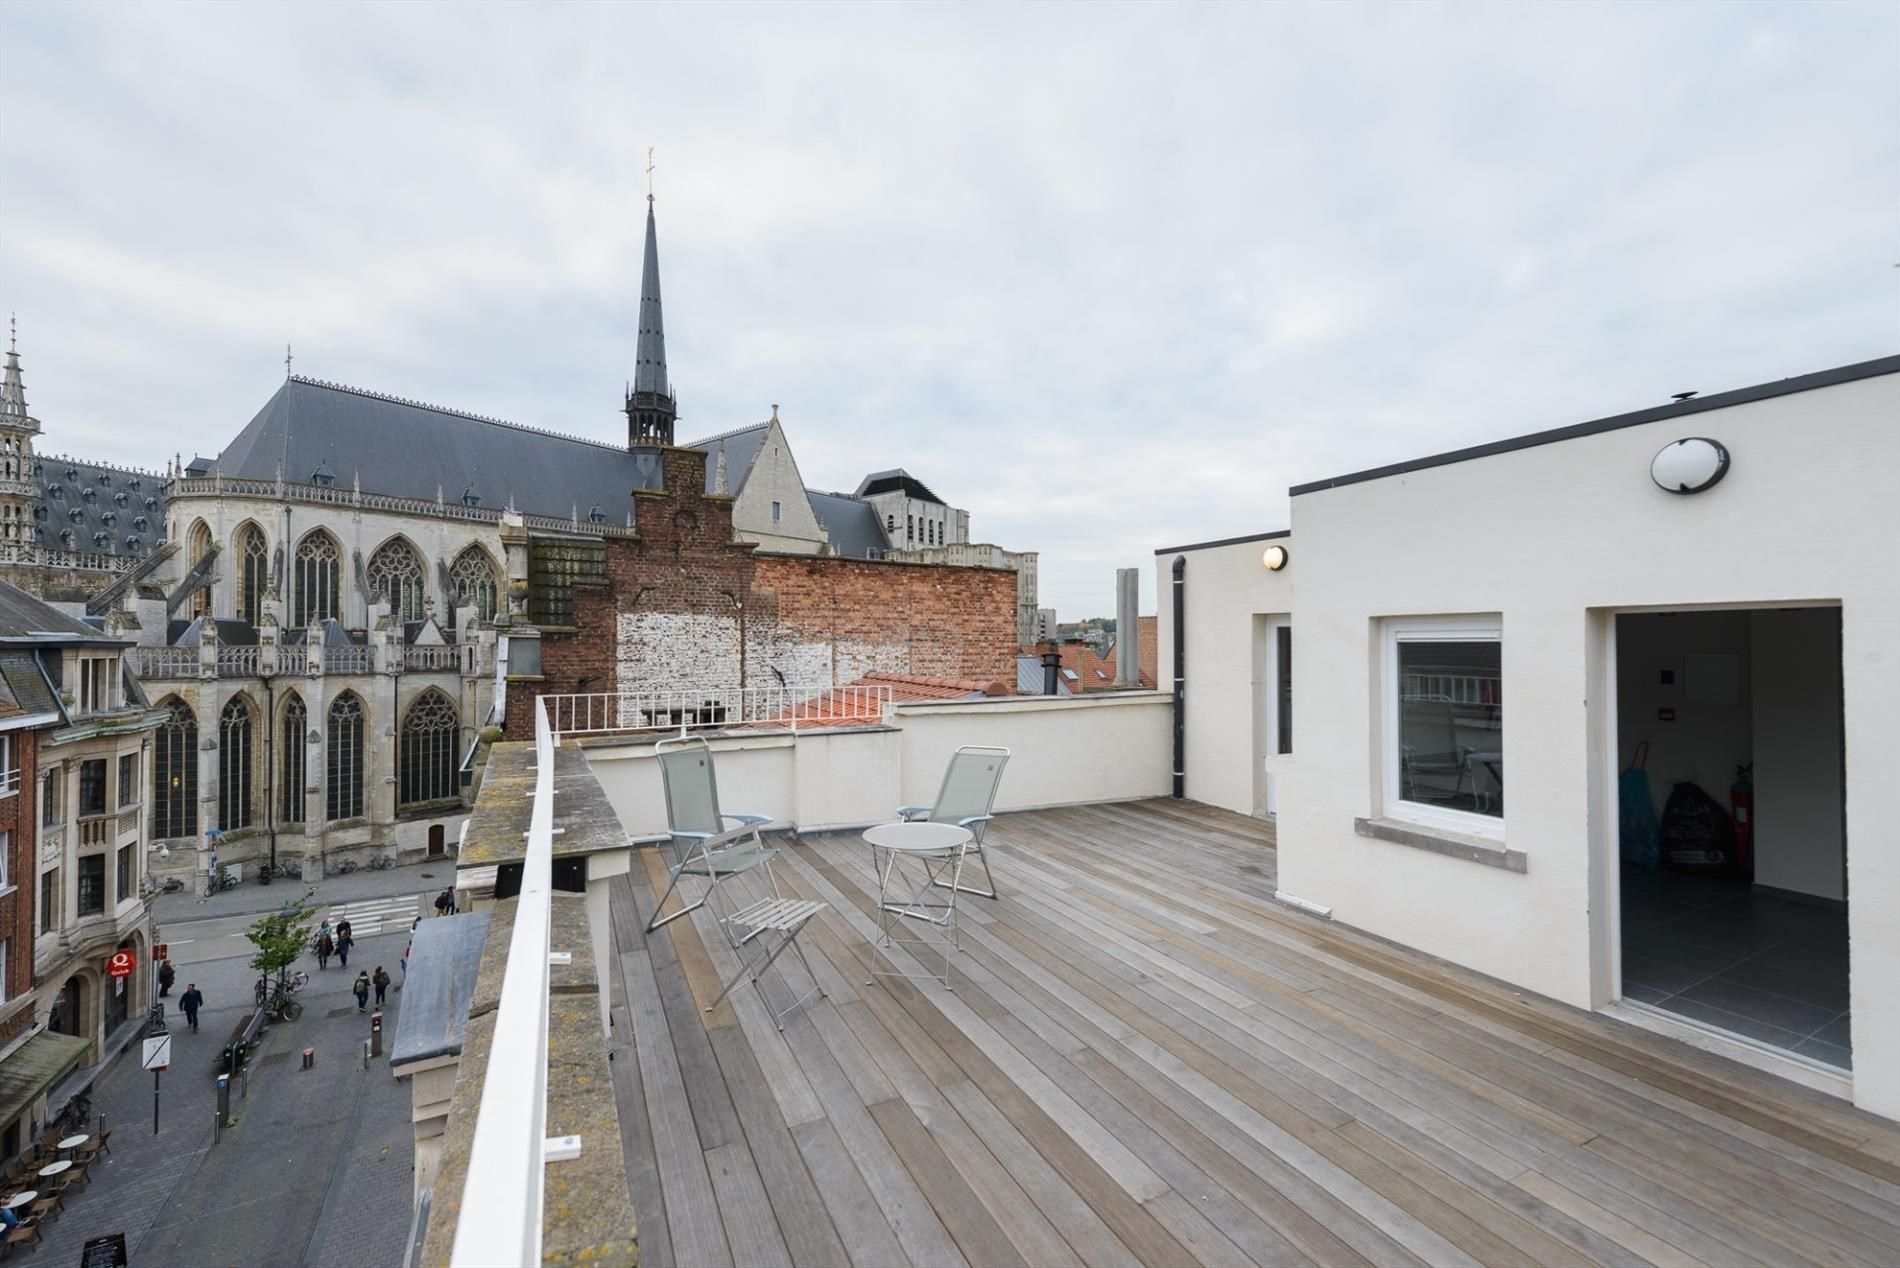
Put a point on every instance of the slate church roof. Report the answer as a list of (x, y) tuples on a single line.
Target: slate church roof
[(409, 449), (94, 507), (854, 528)]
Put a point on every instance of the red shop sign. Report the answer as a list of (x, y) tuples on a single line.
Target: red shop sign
[(120, 965)]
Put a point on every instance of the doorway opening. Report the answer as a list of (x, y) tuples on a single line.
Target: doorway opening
[(1733, 838), (1272, 709), (438, 840)]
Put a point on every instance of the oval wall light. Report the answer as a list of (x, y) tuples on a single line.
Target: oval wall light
[(1689, 465), (1274, 557)]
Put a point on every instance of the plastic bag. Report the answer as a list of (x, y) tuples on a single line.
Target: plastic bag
[(1697, 834), (1638, 836)]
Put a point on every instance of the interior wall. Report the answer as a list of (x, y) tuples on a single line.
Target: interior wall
[(1707, 654), (1800, 828)]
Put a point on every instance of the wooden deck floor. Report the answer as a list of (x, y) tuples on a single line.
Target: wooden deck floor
[(1147, 1060)]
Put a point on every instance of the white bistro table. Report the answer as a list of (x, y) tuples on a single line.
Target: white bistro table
[(21, 1198), (52, 1169), (938, 848), (73, 1142)]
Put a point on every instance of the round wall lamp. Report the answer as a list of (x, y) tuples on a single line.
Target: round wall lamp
[(1274, 557), (1689, 465)]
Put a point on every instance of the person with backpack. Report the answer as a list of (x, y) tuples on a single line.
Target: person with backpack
[(343, 944), (361, 990), (326, 947), (381, 982), (445, 902)]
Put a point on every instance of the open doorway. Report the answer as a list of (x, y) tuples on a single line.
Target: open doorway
[(1733, 876)]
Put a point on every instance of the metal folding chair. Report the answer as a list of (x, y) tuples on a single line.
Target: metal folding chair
[(968, 793), (698, 836), (787, 917)]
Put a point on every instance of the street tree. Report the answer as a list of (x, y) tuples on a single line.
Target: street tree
[(281, 937)]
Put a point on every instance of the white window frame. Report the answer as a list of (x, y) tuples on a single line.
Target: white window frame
[(4, 997), (6, 879), (1439, 629), (96, 697), (9, 765)]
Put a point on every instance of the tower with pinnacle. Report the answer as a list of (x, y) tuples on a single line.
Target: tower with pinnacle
[(651, 408), (19, 489)]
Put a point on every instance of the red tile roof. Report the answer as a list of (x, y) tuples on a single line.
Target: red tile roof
[(844, 706)]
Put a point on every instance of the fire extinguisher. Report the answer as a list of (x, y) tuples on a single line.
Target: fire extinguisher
[(1741, 796)]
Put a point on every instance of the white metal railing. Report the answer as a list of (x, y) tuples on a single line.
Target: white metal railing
[(167, 662), (685, 709), (1482, 689), (501, 1212)]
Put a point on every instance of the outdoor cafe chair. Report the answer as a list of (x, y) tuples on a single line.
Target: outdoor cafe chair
[(704, 842), (966, 799)]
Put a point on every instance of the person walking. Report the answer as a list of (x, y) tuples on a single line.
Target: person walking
[(343, 944), (445, 902), (191, 1001), (381, 981), (342, 930), (326, 947), (166, 976), (361, 990)]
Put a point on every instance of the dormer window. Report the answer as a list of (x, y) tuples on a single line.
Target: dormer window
[(75, 515), (597, 515), (141, 523), (39, 512), (121, 498), (109, 518), (102, 541), (470, 497), (66, 538), (56, 490), (134, 484), (151, 504), (98, 683), (323, 476), (105, 481), (87, 495), (133, 547), (72, 475)]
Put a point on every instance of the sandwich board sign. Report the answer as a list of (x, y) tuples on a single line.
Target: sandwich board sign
[(104, 1252), (158, 1052)]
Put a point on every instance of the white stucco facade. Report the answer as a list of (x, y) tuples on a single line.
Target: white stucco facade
[(1552, 542)]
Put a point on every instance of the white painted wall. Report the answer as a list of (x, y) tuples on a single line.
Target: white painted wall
[(1555, 538), (1227, 668), (1799, 833), (1064, 751)]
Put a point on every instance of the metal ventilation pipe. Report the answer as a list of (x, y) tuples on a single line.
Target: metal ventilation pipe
[(1051, 666), (1127, 627), (1180, 676)]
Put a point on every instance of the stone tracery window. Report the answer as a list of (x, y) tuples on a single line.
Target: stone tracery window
[(253, 557), (426, 759), (234, 765), (175, 774), (343, 756), (290, 776), (473, 576), (319, 576), (395, 570), (200, 546)]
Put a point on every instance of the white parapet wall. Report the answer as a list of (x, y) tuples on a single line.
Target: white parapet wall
[(1064, 751)]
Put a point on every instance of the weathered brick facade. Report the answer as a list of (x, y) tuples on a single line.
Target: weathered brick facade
[(686, 604), (17, 820)]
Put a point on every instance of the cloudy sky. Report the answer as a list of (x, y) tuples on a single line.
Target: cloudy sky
[(1111, 277)]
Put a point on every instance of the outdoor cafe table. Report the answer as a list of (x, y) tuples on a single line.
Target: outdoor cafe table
[(21, 1198), (73, 1142), (939, 848), (52, 1169)]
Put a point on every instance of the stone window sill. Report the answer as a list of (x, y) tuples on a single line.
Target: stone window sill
[(1455, 845)]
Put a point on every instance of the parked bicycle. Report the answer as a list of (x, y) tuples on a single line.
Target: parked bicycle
[(77, 1113), (277, 998), (381, 863), (340, 867), (221, 881)]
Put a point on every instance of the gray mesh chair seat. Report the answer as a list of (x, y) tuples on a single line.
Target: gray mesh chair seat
[(704, 842), (965, 799)]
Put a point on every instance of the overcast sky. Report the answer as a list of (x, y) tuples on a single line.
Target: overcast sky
[(1110, 277)]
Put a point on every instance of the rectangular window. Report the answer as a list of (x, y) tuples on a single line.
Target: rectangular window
[(775, 512), (92, 787), (49, 901), (128, 873), (95, 683), (1283, 687), (9, 767), (128, 779), (1444, 725), (6, 856), (4, 996), (92, 885), (49, 797)]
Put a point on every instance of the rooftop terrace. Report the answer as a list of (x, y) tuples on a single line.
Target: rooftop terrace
[(1148, 1060)]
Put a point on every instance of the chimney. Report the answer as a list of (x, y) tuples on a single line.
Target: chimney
[(1051, 666), (1127, 627)]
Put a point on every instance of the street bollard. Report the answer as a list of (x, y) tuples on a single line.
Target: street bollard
[(366, 1054), (244, 1084), (217, 1127), (309, 1058), (376, 1034), (224, 1096)]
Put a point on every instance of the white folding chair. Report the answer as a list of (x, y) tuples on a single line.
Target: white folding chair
[(967, 795)]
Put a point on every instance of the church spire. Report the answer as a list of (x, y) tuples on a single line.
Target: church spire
[(651, 409), (13, 411)]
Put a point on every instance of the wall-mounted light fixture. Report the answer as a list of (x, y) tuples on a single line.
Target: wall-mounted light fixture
[(1274, 558), (1689, 465)]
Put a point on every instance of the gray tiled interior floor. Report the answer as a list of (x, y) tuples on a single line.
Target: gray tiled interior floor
[(1764, 967)]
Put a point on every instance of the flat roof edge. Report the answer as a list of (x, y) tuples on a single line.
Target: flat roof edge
[(1227, 541), (1676, 409)]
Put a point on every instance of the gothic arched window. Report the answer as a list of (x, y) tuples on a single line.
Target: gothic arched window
[(343, 754), (319, 573), (200, 546), (474, 579), (175, 774), (253, 560), (290, 775), (234, 765), (395, 570), (426, 757)]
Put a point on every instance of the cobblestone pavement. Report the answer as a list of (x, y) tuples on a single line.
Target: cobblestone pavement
[(251, 898), (316, 1169)]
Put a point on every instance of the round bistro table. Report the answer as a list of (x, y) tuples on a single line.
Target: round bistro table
[(938, 849)]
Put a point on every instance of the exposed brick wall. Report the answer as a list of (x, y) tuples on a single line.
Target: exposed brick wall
[(18, 820), (685, 603)]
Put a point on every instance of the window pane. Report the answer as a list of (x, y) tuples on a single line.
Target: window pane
[(92, 786), (1451, 725), (49, 901), (128, 779), (1283, 654), (128, 884), (92, 884)]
